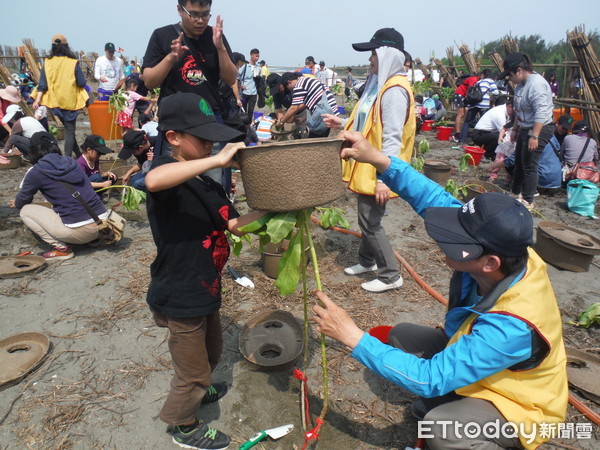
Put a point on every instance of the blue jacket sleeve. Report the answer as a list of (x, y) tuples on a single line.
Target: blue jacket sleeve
[(419, 191), (79, 76), (495, 343), (28, 189)]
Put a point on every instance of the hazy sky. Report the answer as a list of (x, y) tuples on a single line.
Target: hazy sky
[(286, 32)]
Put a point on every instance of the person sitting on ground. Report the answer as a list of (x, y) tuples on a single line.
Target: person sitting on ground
[(8, 96), (572, 146), (309, 93), (420, 112), (487, 130), (500, 358), (562, 126), (136, 143), (189, 214), (22, 127), (89, 161), (437, 111), (549, 167), (147, 124), (67, 222)]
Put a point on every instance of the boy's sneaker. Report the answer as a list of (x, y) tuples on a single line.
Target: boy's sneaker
[(215, 392), (202, 437), (58, 254)]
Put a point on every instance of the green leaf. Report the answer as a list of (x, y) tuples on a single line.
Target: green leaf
[(255, 226), (132, 197), (589, 317), (280, 225), (288, 270)]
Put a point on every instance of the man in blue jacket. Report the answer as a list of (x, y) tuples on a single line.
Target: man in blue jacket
[(500, 359)]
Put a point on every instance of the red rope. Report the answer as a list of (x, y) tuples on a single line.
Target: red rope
[(299, 375), (312, 435)]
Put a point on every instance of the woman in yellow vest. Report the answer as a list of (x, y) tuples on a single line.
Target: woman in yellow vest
[(61, 89), (385, 116)]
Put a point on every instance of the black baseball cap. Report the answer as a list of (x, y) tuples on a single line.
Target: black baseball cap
[(490, 223), (385, 37), (566, 121), (274, 81), (131, 142), (190, 113), (511, 62), (42, 137), (109, 46), (581, 126), (97, 143), (309, 59)]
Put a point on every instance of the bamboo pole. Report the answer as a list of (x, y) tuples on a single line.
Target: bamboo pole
[(451, 62), (423, 67), (468, 58), (445, 73)]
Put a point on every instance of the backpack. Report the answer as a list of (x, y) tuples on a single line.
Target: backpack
[(474, 95)]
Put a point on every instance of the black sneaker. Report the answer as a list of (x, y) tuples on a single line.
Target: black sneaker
[(215, 392), (202, 437)]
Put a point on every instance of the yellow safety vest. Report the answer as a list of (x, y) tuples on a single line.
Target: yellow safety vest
[(361, 177), (63, 91), (538, 395)]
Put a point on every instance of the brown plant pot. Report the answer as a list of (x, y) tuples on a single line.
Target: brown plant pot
[(60, 134), (110, 164), (289, 176), (120, 172), (566, 247), (437, 170), (478, 187), (15, 161), (271, 255)]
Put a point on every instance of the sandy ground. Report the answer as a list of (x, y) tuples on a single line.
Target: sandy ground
[(108, 373)]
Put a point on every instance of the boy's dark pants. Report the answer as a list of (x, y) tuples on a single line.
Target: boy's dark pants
[(195, 345)]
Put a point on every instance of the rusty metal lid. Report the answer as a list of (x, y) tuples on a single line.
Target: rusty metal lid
[(20, 354), (17, 266), (570, 237), (272, 340)]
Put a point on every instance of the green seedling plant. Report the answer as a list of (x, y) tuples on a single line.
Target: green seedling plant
[(418, 161), (295, 226), (589, 317), (130, 196)]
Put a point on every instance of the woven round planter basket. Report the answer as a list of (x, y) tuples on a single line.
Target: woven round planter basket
[(289, 176)]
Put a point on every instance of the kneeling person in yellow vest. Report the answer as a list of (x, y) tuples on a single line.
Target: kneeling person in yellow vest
[(495, 375)]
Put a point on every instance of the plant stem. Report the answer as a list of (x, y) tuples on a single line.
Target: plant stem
[(304, 295), (313, 255)]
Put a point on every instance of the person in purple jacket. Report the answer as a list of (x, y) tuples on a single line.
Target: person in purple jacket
[(67, 222)]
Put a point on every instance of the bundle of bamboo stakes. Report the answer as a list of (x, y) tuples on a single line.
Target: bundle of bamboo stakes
[(467, 57), (445, 73), (423, 67), (450, 54), (32, 58), (588, 63), (510, 45)]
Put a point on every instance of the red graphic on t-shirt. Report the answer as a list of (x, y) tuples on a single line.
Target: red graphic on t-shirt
[(190, 72), (214, 288)]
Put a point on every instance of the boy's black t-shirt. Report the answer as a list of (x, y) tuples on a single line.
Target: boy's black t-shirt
[(188, 224), (197, 71)]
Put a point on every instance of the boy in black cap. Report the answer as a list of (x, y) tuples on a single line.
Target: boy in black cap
[(189, 214), (500, 357), (136, 143), (89, 161)]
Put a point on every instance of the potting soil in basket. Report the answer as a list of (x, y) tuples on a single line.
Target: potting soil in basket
[(289, 176)]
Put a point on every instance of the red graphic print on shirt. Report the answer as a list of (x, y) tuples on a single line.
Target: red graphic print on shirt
[(190, 72)]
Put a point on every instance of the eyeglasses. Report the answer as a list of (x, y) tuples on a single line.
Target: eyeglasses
[(196, 16)]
